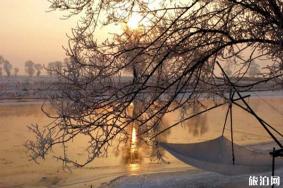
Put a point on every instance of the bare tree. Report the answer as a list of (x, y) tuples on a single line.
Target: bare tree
[(29, 67), (16, 71), (1, 62), (38, 68), (254, 69), (7, 67), (54, 67), (228, 69), (173, 55)]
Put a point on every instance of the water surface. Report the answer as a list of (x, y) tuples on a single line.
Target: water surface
[(18, 171)]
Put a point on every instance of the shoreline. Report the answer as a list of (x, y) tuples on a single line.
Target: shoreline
[(254, 95)]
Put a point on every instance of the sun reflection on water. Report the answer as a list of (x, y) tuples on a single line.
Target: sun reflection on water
[(134, 163), (134, 139), (134, 154), (134, 168)]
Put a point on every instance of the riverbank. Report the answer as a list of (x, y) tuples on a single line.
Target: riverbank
[(195, 178), (185, 179), (36, 100)]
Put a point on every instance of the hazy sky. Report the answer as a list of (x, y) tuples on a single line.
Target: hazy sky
[(27, 31)]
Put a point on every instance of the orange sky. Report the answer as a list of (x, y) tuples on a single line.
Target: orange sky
[(27, 31)]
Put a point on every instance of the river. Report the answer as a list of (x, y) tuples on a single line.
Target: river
[(17, 170)]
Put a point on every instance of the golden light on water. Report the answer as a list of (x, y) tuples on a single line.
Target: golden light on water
[(134, 165), (134, 138), (134, 157), (134, 147), (134, 168)]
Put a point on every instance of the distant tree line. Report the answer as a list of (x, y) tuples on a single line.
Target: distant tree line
[(31, 68), (5, 66), (36, 69)]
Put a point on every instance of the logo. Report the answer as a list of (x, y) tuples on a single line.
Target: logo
[(264, 181)]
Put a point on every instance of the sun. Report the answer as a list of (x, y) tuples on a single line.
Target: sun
[(134, 21)]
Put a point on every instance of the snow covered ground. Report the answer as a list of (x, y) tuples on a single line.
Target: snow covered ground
[(186, 179), (195, 178), (25, 87)]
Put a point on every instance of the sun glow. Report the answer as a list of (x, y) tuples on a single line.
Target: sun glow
[(134, 21)]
